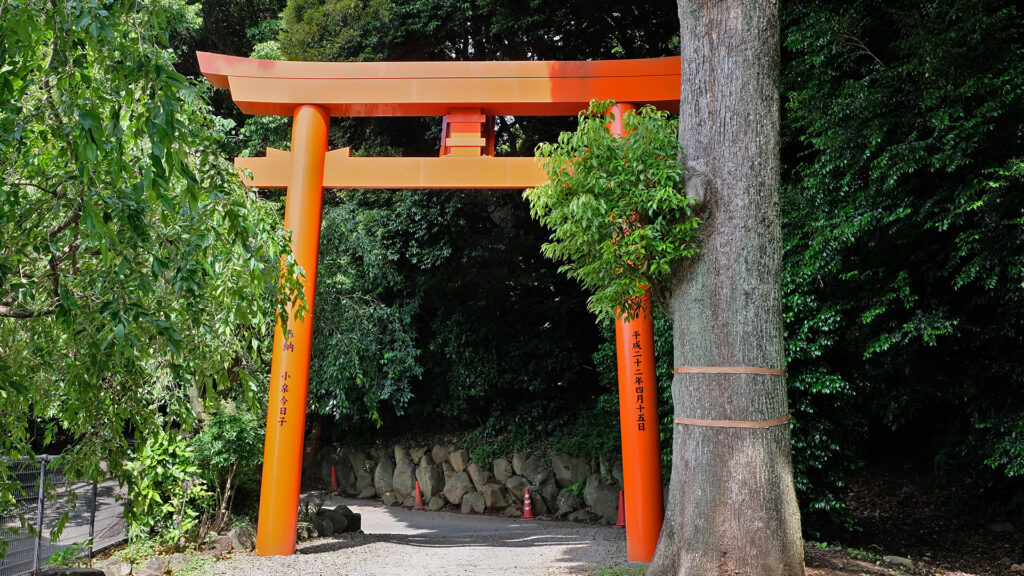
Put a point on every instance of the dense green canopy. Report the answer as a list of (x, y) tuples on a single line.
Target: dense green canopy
[(129, 254)]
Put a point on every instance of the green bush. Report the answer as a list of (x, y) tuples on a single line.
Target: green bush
[(229, 446), (167, 494), (619, 217)]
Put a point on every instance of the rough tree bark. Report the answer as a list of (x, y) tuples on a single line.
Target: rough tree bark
[(732, 507)]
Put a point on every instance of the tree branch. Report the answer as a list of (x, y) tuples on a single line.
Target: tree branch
[(11, 312), (55, 192), (71, 220)]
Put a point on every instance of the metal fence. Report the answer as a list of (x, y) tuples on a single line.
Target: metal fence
[(91, 515)]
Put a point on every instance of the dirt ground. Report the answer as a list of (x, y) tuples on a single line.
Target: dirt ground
[(401, 541), (898, 514)]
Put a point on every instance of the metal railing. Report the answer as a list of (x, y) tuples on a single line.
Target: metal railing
[(75, 521)]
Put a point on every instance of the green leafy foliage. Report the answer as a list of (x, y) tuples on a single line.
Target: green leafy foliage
[(334, 30), (904, 261), (409, 280), (227, 450), (167, 492), (618, 215), (130, 256)]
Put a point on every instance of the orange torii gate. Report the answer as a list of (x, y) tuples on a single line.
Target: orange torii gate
[(467, 95)]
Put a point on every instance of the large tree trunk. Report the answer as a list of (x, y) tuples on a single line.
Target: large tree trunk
[(732, 507)]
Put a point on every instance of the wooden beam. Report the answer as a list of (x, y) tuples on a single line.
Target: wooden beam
[(438, 88), (393, 173)]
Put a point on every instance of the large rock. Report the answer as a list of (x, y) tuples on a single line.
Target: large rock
[(355, 522), (222, 544), (342, 518), (546, 488), (503, 470), (459, 460), (430, 477), (569, 470), (436, 503), (384, 476), (416, 454), (439, 453), (448, 470), (242, 538), (473, 503), (389, 499), (899, 560), (116, 567), (517, 487), (358, 459), (404, 480), (567, 503), (346, 475), (617, 473), (458, 486), (159, 564), (533, 466), (494, 496), (305, 531), (176, 561), (583, 516), (602, 498), (540, 508), (518, 459), (376, 452), (363, 469), (338, 518), (400, 451), (480, 475), (323, 525)]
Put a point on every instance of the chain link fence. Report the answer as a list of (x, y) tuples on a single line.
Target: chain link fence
[(79, 519)]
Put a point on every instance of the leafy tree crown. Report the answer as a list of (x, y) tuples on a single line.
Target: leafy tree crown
[(618, 214)]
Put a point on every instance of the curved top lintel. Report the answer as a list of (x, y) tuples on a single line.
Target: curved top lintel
[(533, 88)]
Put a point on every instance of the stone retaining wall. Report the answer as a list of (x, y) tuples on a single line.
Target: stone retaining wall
[(567, 487)]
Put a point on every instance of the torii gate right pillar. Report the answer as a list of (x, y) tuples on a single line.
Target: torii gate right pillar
[(638, 417)]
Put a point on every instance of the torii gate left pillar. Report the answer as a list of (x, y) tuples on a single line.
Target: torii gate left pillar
[(289, 369)]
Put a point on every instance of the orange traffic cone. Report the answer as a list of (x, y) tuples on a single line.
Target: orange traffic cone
[(334, 480), (622, 511), (527, 506), (419, 498)]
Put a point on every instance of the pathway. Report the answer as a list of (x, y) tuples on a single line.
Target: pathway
[(423, 543)]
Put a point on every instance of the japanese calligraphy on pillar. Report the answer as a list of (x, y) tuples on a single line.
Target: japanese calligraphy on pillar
[(637, 351), (282, 409)]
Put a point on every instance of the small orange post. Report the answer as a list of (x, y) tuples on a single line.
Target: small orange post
[(289, 369), (419, 498), (638, 417)]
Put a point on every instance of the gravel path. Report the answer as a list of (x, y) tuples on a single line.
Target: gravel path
[(422, 543)]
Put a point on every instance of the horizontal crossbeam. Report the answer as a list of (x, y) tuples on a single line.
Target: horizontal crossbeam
[(342, 171)]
